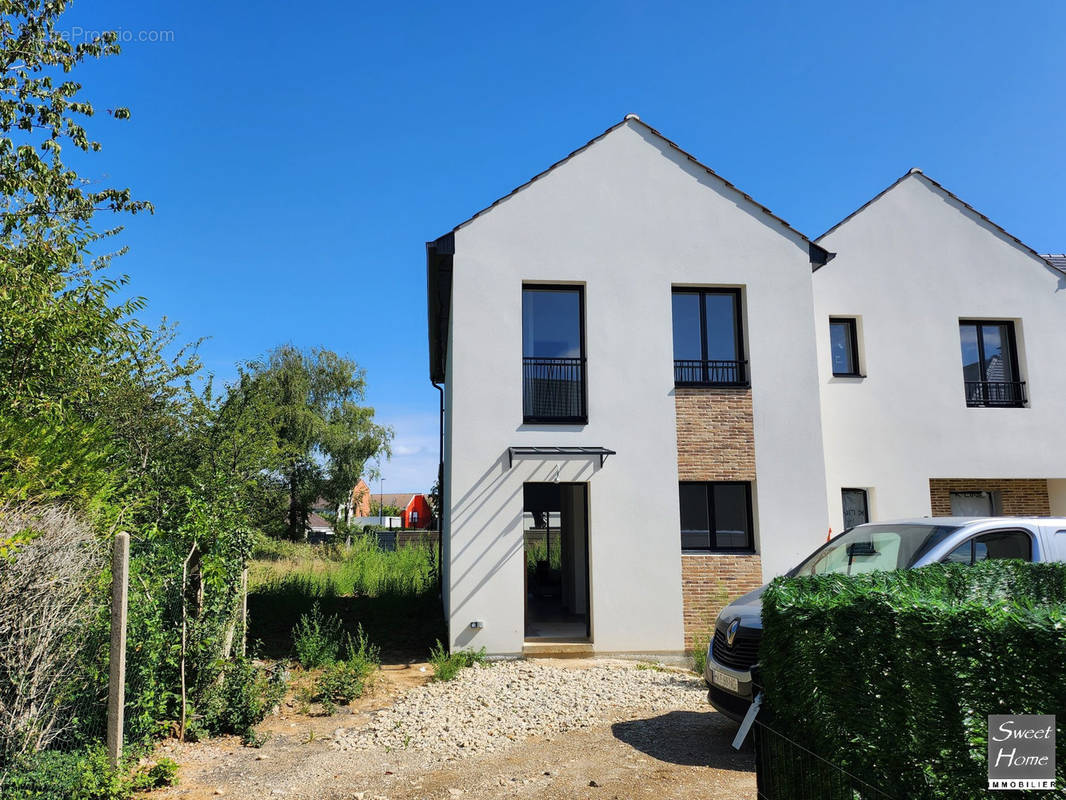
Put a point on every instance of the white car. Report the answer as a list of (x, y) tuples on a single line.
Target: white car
[(734, 649)]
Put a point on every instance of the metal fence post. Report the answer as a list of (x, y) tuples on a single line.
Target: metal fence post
[(116, 687)]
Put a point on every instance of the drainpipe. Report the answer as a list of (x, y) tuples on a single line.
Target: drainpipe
[(440, 492)]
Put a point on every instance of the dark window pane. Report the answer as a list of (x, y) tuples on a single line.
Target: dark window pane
[(1003, 544), (855, 507), (687, 326), (731, 516), (694, 516), (971, 355), (997, 366), (840, 345), (721, 327), (551, 323)]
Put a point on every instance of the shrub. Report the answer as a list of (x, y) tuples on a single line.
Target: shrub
[(50, 606), (81, 775), (242, 698), (343, 681), (447, 665), (317, 639), (892, 675)]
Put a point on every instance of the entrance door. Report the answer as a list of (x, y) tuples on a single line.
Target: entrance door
[(555, 527)]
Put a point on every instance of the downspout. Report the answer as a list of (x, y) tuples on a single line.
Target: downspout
[(440, 494)]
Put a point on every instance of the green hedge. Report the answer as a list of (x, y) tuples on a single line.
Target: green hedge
[(892, 675)]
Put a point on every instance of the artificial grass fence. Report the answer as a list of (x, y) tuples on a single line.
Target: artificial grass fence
[(892, 675)]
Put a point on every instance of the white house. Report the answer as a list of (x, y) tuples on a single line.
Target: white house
[(624, 330), (628, 337), (942, 362)]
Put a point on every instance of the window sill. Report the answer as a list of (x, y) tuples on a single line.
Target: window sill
[(997, 405), (852, 375), (721, 551), (555, 420), (711, 385)]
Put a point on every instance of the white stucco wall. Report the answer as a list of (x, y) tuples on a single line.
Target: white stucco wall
[(911, 265), (627, 218)]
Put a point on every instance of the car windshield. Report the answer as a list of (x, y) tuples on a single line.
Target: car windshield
[(874, 547)]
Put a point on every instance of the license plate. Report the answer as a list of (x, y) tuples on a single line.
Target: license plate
[(723, 680)]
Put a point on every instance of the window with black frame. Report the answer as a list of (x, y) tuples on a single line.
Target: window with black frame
[(716, 516), (553, 355), (856, 506), (844, 346), (708, 337), (990, 364)]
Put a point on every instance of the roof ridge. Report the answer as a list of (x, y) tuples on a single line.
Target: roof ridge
[(953, 196), (633, 118)]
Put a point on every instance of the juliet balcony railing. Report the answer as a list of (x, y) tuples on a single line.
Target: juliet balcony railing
[(1004, 394), (553, 390), (694, 372)]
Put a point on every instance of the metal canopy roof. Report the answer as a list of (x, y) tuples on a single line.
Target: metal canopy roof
[(602, 452)]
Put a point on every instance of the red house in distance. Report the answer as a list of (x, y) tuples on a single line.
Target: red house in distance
[(415, 509)]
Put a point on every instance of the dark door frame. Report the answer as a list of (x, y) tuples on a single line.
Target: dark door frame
[(588, 564)]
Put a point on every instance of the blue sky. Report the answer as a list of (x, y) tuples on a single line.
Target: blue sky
[(300, 155)]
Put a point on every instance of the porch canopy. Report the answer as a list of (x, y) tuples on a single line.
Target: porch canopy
[(556, 452)]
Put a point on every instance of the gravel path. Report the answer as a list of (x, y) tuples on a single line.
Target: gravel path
[(486, 708)]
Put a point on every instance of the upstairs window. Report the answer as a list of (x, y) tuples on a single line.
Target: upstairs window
[(553, 355), (716, 516), (844, 346), (990, 364), (708, 338)]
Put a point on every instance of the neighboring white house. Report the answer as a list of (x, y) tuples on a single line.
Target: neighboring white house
[(624, 329), (948, 339)]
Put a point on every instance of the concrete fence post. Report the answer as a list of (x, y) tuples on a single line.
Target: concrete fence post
[(116, 687)]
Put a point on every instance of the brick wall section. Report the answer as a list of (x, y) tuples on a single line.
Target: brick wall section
[(1019, 497), (715, 442), (709, 582), (715, 434)]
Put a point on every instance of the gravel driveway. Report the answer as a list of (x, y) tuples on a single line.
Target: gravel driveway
[(537, 729)]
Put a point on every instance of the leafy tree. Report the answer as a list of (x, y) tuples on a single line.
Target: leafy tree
[(60, 325), (322, 435)]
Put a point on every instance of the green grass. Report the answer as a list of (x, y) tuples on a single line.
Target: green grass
[(447, 665), (392, 594), (323, 571)]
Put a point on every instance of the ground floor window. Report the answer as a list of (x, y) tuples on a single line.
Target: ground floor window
[(716, 516), (856, 507), (975, 504)]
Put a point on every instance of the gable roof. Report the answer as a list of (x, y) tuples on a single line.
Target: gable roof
[(440, 251), (400, 499), (917, 173), (633, 118)]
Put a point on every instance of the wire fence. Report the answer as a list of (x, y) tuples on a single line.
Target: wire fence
[(787, 770)]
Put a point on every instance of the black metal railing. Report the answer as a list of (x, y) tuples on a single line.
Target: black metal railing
[(695, 371), (553, 390), (1009, 394)]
